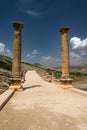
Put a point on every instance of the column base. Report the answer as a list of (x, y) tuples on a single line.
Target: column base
[(16, 87), (66, 83), (16, 84)]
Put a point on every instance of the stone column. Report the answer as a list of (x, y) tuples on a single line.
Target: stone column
[(16, 63), (65, 79)]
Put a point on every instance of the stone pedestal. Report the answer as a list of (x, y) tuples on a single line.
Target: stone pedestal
[(65, 80), (16, 63)]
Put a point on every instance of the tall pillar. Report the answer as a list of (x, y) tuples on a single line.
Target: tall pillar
[(65, 79), (16, 63)]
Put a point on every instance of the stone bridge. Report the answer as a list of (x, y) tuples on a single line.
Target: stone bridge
[(43, 106)]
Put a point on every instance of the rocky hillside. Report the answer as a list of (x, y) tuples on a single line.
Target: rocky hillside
[(78, 73), (5, 70)]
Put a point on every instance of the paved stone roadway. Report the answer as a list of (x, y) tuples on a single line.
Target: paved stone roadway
[(44, 106)]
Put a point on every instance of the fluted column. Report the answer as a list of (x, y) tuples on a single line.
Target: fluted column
[(65, 79), (16, 62)]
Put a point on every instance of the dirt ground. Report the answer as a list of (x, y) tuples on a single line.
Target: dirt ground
[(44, 106)]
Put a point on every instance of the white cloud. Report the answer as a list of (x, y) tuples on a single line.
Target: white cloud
[(77, 43), (76, 59), (83, 53), (28, 55), (47, 58), (50, 61), (32, 55), (74, 55), (4, 50), (33, 13), (79, 53), (35, 52)]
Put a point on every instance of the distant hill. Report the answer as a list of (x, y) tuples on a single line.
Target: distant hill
[(6, 63), (78, 73)]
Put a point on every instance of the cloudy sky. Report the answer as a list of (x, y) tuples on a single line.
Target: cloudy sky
[(41, 41)]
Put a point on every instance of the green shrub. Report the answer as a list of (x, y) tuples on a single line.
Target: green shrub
[(57, 74), (49, 71), (7, 66)]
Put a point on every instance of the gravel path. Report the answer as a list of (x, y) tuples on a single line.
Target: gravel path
[(44, 106)]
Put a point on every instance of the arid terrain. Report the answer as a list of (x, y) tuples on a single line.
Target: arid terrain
[(78, 73)]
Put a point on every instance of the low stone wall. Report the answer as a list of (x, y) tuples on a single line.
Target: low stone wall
[(84, 93), (4, 98), (4, 80)]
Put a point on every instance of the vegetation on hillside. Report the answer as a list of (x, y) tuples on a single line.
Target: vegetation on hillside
[(56, 74), (78, 73), (5, 62), (6, 66), (76, 76)]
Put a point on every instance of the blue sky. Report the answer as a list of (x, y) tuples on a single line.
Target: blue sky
[(41, 39)]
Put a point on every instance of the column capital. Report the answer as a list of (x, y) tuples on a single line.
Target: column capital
[(18, 25), (64, 29)]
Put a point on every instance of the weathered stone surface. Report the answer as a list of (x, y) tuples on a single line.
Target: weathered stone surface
[(16, 63), (44, 106), (65, 79), (4, 80)]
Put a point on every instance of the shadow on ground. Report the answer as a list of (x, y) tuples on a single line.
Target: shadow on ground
[(34, 86)]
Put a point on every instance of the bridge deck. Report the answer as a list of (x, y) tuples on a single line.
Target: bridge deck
[(44, 106)]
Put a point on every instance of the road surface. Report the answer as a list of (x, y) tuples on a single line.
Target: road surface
[(44, 106)]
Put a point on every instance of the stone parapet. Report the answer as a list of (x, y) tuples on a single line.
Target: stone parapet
[(5, 97)]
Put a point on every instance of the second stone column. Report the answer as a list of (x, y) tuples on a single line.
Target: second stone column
[(65, 79)]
